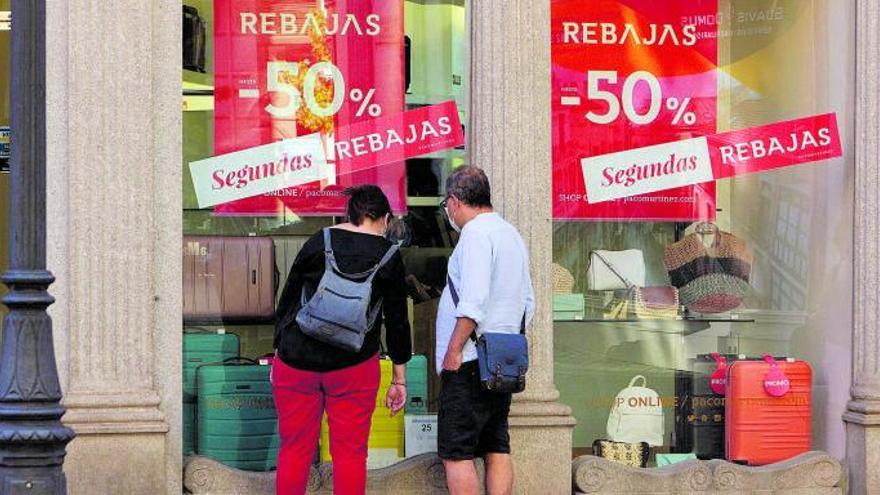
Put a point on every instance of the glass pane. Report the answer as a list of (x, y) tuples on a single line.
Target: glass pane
[(265, 84), (650, 283)]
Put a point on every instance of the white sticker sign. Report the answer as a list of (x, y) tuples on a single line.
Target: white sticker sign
[(649, 169), (259, 170)]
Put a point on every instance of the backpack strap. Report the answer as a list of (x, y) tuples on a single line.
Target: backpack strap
[(367, 276), (455, 299), (374, 312), (384, 261), (329, 257)]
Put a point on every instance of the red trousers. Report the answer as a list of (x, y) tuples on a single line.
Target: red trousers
[(349, 397)]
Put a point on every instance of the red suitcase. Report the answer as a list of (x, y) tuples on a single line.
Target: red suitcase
[(228, 279), (768, 415)]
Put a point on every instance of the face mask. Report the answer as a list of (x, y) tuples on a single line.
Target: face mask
[(455, 227)]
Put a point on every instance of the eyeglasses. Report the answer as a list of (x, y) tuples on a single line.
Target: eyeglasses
[(445, 202)]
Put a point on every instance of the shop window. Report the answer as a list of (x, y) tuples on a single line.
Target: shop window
[(315, 77), (649, 284)]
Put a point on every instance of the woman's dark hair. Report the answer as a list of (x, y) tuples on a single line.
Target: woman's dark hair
[(366, 201)]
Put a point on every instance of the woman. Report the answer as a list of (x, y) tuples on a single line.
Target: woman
[(311, 376)]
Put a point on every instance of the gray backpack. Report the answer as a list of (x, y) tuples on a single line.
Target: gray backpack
[(339, 311)]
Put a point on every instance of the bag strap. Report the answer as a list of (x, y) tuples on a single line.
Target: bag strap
[(455, 299), (384, 261), (374, 311), (635, 378), (629, 285), (330, 260), (239, 360)]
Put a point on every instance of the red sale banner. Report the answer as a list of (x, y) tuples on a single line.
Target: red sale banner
[(628, 74), (694, 161), (278, 167), (290, 68)]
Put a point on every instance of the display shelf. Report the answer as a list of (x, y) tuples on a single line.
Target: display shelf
[(685, 319), (683, 326)]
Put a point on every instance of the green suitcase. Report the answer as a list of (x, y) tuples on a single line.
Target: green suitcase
[(200, 347), (189, 421), (417, 385), (236, 419)]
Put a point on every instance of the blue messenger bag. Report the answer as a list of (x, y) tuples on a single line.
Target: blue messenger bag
[(503, 358)]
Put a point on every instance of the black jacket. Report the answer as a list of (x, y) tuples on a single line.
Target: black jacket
[(355, 252)]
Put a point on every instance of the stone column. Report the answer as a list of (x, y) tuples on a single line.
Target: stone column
[(863, 411), (114, 234), (509, 136)]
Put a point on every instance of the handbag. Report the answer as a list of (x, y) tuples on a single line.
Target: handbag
[(609, 269), (657, 302), (563, 280), (502, 358), (711, 279), (630, 454)]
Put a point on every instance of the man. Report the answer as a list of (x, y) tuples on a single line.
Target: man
[(489, 270)]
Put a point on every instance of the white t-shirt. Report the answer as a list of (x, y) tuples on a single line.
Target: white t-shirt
[(490, 271)]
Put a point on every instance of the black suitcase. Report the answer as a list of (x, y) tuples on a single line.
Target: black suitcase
[(699, 412)]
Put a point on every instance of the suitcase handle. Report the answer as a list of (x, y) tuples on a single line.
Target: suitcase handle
[(239, 360), (197, 330)]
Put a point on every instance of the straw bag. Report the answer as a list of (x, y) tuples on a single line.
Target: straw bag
[(563, 280), (710, 279)]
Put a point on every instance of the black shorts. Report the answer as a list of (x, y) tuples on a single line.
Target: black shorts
[(471, 422)]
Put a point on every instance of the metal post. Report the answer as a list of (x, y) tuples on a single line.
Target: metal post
[(32, 438)]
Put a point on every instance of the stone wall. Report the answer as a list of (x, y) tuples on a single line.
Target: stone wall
[(813, 473), (114, 233)]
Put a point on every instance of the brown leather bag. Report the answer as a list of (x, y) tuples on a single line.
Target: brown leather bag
[(228, 279)]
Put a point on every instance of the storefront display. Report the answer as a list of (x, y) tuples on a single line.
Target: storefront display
[(286, 104), (689, 141)]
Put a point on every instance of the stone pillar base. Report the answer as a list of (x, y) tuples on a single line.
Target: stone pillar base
[(540, 438), (813, 473), (863, 448), (131, 463)]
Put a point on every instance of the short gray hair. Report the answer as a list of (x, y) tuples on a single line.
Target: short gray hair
[(470, 185)]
